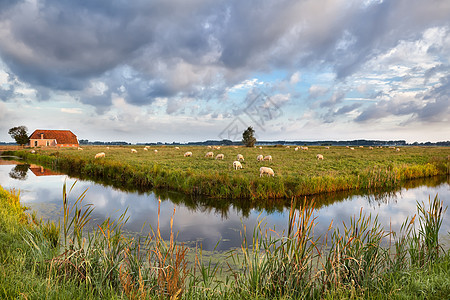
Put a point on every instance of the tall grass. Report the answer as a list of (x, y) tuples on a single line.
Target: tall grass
[(353, 261)]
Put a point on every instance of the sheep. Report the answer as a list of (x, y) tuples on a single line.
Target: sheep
[(209, 154), (370, 148), (287, 147), (327, 147), (351, 148), (296, 149), (177, 148), (133, 151), (268, 157), (107, 148), (237, 165), (347, 146), (260, 158), (79, 148), (156, 151), (33, 152), (265, 170), (220, 156), (319, 156), (101, 154), (260, 148), (361, 146), (145, 149), (209, 147), (239, 157), (303, 148), (188, 154), (398, 149)]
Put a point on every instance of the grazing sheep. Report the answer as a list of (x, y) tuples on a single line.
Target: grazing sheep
[(304, 148), (260, 158), (327, 147), (260, 147), (361, 146), (268, 157), (32, 151), (209, 154), (265, 170), (287, 147), (107, 148), (220, 156), (133, 151), (156, 151), (101, 154), (398, 149), (239, 157), (209, 147), (145, 149), (79, 148), (218, 147), (177, 148), (296, 149), (370, 148), (319, 156), (347, 146), (188, 154), (237, 165), (351, 148), (235, 147)]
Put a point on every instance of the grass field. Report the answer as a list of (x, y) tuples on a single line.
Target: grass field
[(297, 173)]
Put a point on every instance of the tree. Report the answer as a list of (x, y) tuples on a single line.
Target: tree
[(247, 137), (20, 134)]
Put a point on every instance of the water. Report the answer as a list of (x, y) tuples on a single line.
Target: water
[(208, 221)]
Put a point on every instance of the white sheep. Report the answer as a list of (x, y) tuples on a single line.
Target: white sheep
[(220, 156), (287, 147), (239, 157), (319, 156), (101, 154), (133, 151), (156, 151), (237, 165), (370, 148), (107, 148), (351, 148), (268, 157), (260, 158), (398, 149), (79, 148), (265, 170), (260, 148), (296, 149), (32, 151), (145, 149), (209, 154), (327, 147), (177, 148), (188, 154)]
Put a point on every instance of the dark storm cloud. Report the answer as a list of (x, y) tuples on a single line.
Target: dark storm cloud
[(183, 48)]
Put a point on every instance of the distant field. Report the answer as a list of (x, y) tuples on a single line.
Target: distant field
[(296, 172)]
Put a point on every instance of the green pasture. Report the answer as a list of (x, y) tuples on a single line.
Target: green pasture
[(297, 173)]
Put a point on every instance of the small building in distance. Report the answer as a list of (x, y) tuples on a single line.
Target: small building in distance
[(53, 138)]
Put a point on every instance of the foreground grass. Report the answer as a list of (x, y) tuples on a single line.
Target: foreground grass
[(297, 173), (44, 261)]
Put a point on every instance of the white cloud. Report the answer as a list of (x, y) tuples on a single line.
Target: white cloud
[(72, 110)]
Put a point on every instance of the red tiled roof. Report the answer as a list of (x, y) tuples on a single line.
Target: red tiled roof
[(61, 136)]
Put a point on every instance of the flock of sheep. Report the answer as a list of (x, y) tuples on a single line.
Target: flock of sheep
[(237, 163)]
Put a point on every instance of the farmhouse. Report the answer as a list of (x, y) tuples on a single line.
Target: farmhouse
[(53, 138)]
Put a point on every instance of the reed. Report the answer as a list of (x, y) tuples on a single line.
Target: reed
[(106, 262)]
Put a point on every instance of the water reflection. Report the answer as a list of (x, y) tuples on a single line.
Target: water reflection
[(205, 220)]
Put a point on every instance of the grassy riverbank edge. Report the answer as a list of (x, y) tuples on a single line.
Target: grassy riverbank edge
[(105, 264), (148, 175)]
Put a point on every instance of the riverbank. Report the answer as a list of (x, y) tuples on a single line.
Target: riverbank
[(297, 173), (38, 263)]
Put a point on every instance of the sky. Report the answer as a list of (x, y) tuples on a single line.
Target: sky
[(194, 70)]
